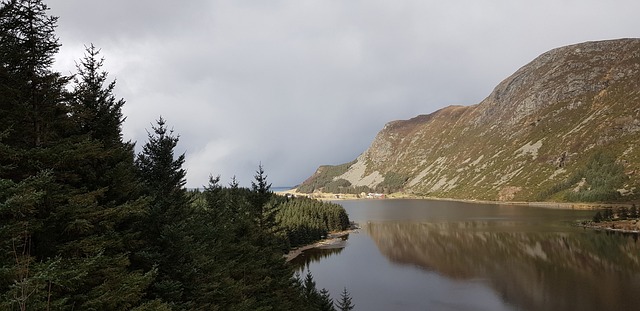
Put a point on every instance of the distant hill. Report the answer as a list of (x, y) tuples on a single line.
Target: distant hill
[(565, 127)]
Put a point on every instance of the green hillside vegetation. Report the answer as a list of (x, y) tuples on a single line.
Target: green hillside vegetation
[(571, 114), (325, 177), (87, 224), (597, 181)]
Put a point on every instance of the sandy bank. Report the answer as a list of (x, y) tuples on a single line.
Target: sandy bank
[(333, 240)]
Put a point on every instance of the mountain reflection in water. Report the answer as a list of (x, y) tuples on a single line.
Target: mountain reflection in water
[(580, 270)]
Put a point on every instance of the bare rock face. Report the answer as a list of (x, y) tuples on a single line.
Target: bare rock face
[(536, 132)]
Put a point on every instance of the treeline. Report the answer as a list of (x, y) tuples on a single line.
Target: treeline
[(599, 178), (87, 224), (292, 221), (325, 175), (306, 220), (621, 213)]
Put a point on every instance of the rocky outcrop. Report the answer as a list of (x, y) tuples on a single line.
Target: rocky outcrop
[(538, 129)]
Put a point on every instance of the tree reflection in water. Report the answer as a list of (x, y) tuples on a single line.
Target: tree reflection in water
[(302, 262)]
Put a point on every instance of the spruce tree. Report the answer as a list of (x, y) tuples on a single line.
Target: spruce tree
[(261, 189), (345, 304), (311, 294), (65, 221), (326, 303), (96, 109), (104, 195), (163, 177), (31, 92), (163, 231)]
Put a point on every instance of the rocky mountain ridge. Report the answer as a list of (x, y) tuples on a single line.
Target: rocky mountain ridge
[(565, 127)]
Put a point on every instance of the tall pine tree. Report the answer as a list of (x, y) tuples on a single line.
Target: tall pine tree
[(31, 104), (345, 304), (63, 218), (163, 229), (31, 91)]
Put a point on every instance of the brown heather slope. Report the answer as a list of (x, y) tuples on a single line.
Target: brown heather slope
[(565, 127)]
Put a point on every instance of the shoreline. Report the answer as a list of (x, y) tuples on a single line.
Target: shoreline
[(401, 195), (330, 240), (631, 226)]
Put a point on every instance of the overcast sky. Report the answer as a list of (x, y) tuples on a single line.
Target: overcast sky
[(297, 84)]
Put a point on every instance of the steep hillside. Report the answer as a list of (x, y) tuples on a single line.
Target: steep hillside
[(565, 127)]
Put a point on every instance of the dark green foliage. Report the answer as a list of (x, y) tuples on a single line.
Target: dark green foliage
[(84, 227), (164, 234), (602, 176), (260, 187), (245, 268), (68, 195), (325, 180), (310, 292), (392, 182), (623, 213), (345, 304), (32, 95), (343, 186), (316, 300), (633, 212), (96, 110), (597, 217), (326, 302), (307, 220), (323, 176), (337, 186), (608, 214)]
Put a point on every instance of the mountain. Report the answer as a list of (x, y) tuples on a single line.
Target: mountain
[(565, 127)]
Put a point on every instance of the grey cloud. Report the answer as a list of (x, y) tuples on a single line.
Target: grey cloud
[(296, 84)]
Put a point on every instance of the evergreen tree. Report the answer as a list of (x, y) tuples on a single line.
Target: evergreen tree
[(96, 110), (164, 231), (265, 207), (261, 189), (607, 214), (326, 303), (163, 177), (31, 102), (311, 294), (234, 183), (23, 284), (597, 217), (345, 304), (65, 234), (623, 212), (103, 194), (633, 211)]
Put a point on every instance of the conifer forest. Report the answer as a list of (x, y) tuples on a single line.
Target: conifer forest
[(86, 223)]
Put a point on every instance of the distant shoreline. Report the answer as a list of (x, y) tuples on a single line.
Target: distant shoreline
[(620, 226), (401, 195)]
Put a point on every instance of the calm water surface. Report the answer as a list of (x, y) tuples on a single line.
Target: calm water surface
[(435, 255)]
